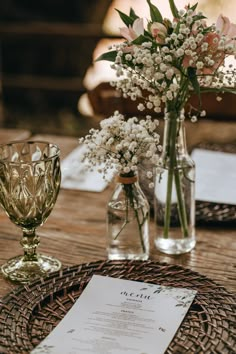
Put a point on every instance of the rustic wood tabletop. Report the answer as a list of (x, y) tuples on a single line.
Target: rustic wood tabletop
[(75, 232)]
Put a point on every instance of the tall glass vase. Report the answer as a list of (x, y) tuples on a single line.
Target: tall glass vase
[(174, 194), (128, 221)]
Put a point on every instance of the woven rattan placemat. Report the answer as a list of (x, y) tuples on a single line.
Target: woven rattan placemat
[(29, 313)]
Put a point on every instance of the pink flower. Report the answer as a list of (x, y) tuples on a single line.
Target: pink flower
[(187, 61), (159, 32), (226, 28), (217, 55), (131, 33), (212, 39)]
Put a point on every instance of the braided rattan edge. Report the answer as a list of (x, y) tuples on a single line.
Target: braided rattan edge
[(30, 312)]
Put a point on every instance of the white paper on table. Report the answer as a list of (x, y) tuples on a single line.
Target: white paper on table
[(75, 174), (118, 316), (215, 176)]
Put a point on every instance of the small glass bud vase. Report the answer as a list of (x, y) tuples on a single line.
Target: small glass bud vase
[(128, 221), (174, 194)]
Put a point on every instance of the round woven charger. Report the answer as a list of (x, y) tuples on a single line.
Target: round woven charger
[(29, 313)]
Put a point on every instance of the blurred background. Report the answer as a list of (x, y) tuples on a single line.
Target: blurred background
[(49, 82)]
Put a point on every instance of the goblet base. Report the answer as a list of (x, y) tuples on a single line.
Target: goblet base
[(18, 270)]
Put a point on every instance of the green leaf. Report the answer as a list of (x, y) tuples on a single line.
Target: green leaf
[(200, 17), (176, 30), (140, 40), (174, 9), (192, 75), (132, 14), (154, 13), (109, 56), (128, 21), (194, 7), (193, 79), (148, 35)]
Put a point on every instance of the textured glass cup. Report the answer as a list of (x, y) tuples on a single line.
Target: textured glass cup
[(29, 184)]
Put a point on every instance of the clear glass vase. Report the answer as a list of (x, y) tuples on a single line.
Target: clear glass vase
[(128, 221), (174, 194)]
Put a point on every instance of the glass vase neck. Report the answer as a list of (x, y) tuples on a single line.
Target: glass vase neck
[(127, 179), (174, 133)]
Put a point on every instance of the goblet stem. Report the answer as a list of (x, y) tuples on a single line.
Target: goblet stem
[(30, 242)]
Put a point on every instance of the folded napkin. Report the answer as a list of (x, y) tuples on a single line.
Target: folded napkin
[(215, 176), (75, 174)]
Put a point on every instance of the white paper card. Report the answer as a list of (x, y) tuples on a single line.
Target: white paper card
[(75, 175), (215, 176), (119, 316)]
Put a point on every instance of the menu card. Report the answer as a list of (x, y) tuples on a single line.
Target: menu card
[(215, 176), (117, 316), (76, 175)]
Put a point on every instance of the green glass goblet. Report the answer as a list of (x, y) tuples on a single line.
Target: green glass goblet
[(30, 179)]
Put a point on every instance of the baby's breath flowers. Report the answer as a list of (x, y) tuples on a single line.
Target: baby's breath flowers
[(166, 61), (122, 144)]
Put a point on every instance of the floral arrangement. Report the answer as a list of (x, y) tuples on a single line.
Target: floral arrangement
[(162, 62), (122, 144), (166, 61)]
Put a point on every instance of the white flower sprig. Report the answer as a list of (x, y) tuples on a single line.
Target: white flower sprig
[(122, 144)]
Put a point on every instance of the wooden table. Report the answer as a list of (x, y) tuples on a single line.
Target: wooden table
[(7, 135), (75, 232)]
